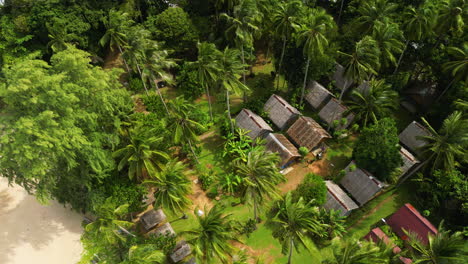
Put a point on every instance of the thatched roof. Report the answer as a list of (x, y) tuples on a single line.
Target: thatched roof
[(332, 111), (280, 111), (410, 136), (360, 184), (191, 261), (317, 95), (181, 251), (280, 144), (152, 218), (341, 81), (408, 161), (305, 132), (163, 230), (337, 199), (248, 120)]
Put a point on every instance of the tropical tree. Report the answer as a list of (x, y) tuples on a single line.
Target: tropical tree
[(211, 239), (459, 66), (172, 185), (144, 254), (58, 37), (373, 11), (313, 35), (450, 17), (334, 222), (260, 175), (294, 223), (389, 39), (351, 251), (369, 105), (140, 154)]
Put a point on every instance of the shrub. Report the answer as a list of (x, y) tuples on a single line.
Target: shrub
[(135, 85), (207, 178), (312, 188), (248, 228), (188, 83), (303, 151)]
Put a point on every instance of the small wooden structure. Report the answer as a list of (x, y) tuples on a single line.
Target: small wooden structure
[(317, 95), (163, 230), (305, 132), (280, 111), (341, 81), (280, 144), (252, 122), (410, 137), (332, 111), (181, 251), (338, 200), (360, 184), (408, 161), (152, 218)]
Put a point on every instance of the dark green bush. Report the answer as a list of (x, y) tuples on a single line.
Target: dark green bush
[(312, 188)]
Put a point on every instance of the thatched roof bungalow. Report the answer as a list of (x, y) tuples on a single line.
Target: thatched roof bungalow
[(181, 251), (410, 137), (408, 161), (280, 111), (337, 199), (360, 184), (305, 132), (280, 144), (332, 111), (341, 81), (252, 122), (317, 95), (152, 218), (164, 230)]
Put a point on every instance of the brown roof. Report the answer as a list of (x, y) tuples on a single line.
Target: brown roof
[(317, 95), (334, 110), (280, 111), (410, 136), (360, 184), (337, 199), (248, 120), (163, 230), (280, 144), (152, 218), (341, 81), (181, 251), (408, 161), (305, 132)]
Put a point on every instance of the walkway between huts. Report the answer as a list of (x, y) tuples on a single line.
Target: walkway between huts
[(371, 212)]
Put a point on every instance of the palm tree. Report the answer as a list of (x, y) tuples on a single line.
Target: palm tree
[(450, 17), (284, 19), (334, 222), (389, 39), (294, 223), (207, 68), (184, 127), (211, 239), (145, 253), (172, 185), (458, 67), (140, 154), (260, 175), (371, 105), (352, 251), (58, 37), (372, 11), (313, 35)]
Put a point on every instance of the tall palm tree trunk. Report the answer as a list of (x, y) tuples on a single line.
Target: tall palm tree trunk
[(305, 80), (193, 152), (243, 73), (341, 10), (125, 61), (445, 90), (209, 101), (291, 248), (160, 95), (229, 111), (142, 79), (280, 63), (401, 57)]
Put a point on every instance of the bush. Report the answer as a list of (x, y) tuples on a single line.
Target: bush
[(207, 178), (153, 104), (212, 192), (312, 188), (135, 85), (303, 151), (188, 83), (249, 227)]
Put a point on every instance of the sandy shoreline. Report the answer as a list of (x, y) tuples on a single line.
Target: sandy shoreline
[(34, 233)]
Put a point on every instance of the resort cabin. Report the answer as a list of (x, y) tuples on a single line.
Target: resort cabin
[(341, 82), (333, 113), (280, 144), (408, 161), (338, 200), (181, 251), (253, 123), (152, 218), (280, 112), (409, 219), (410, 137), (376, 235), (305, 132), (317, 95), (360, 183), (164, 230)]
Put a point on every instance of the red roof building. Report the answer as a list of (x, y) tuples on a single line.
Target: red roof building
[(377, 235), (409, 219)]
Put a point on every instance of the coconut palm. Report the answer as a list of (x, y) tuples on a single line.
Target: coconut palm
[(140, 155), (145, 253), (372, 104), (211, 239), (58, 37), (313, 35), (372, 11), (260, 175), (459, 66), (450, 17), (138, 40), (352, 251), (285, 20), (172, 185), (389, 39), (294, 223), (335, 222)]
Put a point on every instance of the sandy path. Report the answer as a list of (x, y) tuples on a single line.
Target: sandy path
[(198, 197), (34, 233)]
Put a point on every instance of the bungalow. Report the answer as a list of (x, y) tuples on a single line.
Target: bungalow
[(408, 161), (317, 95), (152, 218), (338, 200), (360, 184), (341, 81), (280, 144), (181, 251), (249, 121), (280, 112), (164, 230), (305, 132), (410, 137), (334, 112)]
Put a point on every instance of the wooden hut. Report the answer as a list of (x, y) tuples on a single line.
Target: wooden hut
[(332, 111), (305, 132), (280, 144), (360, 184), (341, 82), (163, 230), (280, 112), (317, 95), (408, 161), (410, 137), (248, 120), (152, 218), (337, 199), (181, 251)]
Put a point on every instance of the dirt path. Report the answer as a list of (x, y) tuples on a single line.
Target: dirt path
[(253, 253), (139, 106), (379, 205), (198, 196)]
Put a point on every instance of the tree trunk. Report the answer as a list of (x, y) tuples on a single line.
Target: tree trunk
[(341, 10), (244, 96), (291, 248), (280, 63), (229, 111), (305, 80), (142, 79), (445, 90), (160, 95), (209, 101), (193, 152), (255, 211), (125, 62), (401, 57)]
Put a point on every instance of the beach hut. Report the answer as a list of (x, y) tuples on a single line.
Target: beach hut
[(410, 137), (317, 95), (341, 82), (164, 230), (181, 251), (360, 184), (332, 111), (408, 161), (252, 122), (305, 132), (280, 112), (280, 144), (152, 218), (337, 199)]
